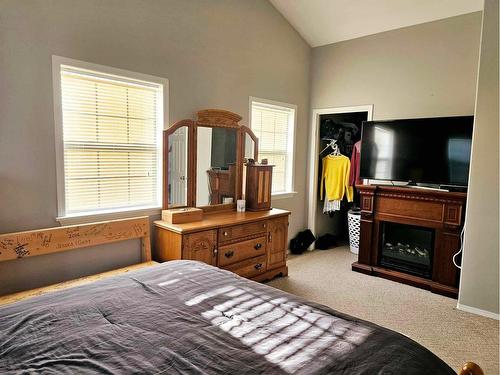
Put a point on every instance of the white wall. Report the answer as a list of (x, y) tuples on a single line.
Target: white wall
[(215, 54), (480, 282), (418, 71)]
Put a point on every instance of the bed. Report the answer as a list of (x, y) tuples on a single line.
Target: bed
[(186, 317)]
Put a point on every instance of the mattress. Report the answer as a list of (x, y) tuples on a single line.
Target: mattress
[(185, 317)]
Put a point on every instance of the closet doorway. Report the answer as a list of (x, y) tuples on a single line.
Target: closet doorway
[(318, 222)]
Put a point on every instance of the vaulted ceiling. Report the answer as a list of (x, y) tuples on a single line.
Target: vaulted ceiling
[(323, 22)]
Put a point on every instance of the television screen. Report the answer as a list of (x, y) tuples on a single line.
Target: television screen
[(429, 150)]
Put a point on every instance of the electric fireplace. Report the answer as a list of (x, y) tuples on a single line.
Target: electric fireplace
[(411, 235), (407, 248)]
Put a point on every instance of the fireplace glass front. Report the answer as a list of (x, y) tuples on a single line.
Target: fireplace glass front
[(407, 248)]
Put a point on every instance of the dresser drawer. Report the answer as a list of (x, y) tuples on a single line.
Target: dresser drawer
[(239, 251), (237, 231), (249, 268)]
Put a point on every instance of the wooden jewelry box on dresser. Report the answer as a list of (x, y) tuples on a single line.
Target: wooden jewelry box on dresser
[(252, 244)]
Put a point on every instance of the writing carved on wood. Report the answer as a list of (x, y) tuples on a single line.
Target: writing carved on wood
[(45, 241)]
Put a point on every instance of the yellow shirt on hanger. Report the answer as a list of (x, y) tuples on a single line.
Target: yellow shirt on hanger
[(335, 176)]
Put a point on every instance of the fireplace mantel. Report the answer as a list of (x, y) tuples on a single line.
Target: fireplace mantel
[(436, 209)]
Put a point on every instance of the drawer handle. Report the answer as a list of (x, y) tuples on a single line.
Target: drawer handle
[(257, 246), (225, 234), (258, 266), (229, 254), (263, 225)]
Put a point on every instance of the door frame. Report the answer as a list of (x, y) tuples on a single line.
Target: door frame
[(313, 155)]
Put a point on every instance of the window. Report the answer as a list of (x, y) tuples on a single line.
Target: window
[(274, 124), (108, 138)]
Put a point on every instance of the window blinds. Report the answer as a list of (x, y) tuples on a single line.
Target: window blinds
[(111, 141), (272, 125)]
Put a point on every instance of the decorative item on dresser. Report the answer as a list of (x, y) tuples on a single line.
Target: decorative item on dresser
[(182, 215), (411, 235), (196, 155), (258, 186)]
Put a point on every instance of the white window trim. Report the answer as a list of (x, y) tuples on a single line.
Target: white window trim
[(80, 218), (107, 215), (291, 142)]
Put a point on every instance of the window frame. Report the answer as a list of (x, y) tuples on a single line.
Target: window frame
[(163, 117), (290, 168)]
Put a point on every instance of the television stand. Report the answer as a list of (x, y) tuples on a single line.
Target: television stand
[(410, 235)]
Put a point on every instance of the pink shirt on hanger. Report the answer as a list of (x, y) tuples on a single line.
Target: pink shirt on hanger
[(355, 160)]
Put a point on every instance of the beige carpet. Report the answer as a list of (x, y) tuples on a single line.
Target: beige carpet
[(432, 320)]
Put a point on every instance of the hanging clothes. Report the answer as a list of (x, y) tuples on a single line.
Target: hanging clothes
[(335, 176), (355, 160), (331, 206)]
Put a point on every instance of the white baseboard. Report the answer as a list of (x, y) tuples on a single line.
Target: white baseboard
[(475, 310)]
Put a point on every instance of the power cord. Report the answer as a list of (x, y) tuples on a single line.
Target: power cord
[(461, 247)]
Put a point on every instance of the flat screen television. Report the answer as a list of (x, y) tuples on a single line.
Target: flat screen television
[(427, 150)]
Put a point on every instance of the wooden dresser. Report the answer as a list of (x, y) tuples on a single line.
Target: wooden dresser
[(250, 244)]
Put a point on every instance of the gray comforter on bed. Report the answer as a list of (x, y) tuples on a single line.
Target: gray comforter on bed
[(185, 317)]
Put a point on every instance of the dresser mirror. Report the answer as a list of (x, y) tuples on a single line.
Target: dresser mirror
[(177, 169), (215, 166), (203, 160), (250, 147)]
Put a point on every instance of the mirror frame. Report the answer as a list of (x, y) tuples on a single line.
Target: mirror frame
[(214, 118)]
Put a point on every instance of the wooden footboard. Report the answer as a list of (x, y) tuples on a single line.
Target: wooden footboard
[(471, 368), (53, 240)]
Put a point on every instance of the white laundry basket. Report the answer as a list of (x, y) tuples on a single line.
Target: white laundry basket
[(354, 221)]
